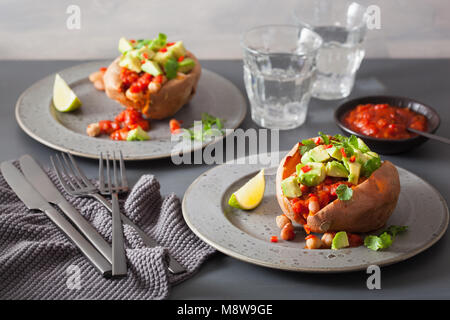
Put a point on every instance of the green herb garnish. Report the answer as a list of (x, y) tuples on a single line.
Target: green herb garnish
[(343, 192), (325, 138), (306, 146), (171, 67), (385, 239), (370, 166), (211, 127)]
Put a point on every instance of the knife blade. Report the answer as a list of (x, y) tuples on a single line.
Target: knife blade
[(34, 201), (39, 179)]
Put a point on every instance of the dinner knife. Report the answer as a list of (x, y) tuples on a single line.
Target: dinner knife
[(34, 201), (40, 181)]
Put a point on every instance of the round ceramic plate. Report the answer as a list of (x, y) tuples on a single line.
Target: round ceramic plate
[(245, 235), (66, 132)]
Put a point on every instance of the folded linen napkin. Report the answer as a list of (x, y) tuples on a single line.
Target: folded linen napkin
[(37, 261)]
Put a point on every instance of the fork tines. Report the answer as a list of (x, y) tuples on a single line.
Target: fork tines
[(113, 183), (75, 180)]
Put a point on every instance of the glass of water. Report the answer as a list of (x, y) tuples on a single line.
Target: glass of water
[(279, 64), (342, 26)]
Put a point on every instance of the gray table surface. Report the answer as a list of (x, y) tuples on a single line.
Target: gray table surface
[(424, 276)]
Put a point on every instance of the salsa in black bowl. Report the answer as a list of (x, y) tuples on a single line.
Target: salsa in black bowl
[(381, 122)]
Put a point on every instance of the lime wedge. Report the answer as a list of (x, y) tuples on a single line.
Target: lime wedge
[(64, 98), (250, 195)]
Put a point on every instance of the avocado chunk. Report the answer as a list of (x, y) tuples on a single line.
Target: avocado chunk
[(319, 154), (139, 53), (162, 57), (372, 154), (186, 65), (314, 174), (306, 158), (362, 145), (158, 42), (340, 240), (290, 187), (152, 68), (137, 134), (336, 169), (177, 49), (335, 153), (354, 169), (130, 62), (371, 163), (124, 45)]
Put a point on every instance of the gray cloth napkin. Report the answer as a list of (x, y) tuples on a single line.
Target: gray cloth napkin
[(37, 261)]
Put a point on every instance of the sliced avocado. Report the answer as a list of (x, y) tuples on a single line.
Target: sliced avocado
[(336, 169), (186, 65), (151, 67), (340, 240), (162, 57), (290, 187), (141, 51), (158, 42), (306, 158), (359, 156), (124, 45), (372, 154), (362, 146), (335, 153), (130, 62), (312, 177), (177, 49), (319, 154), (137, 134), (354, 169), (371, 163)]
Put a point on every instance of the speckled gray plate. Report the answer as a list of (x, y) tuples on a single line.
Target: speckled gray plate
[(37, 116), (245, 235)]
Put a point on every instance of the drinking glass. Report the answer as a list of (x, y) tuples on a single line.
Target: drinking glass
[(279, 66), (342, 26)]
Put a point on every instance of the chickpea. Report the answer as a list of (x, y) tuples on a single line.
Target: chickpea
[(99, 85), (313, 243), (282, 220), (287, 233), (133, 96), (327, 239), (93, 130), (95, 76), (154, 87), (313, 205)]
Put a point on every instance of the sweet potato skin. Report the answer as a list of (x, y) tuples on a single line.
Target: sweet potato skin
[(173, 95), (370, 207)]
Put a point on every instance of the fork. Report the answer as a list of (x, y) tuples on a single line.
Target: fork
[(85, 188), (110, 188)]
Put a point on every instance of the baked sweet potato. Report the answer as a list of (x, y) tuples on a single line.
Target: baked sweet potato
[(173, 94), (369, 208)]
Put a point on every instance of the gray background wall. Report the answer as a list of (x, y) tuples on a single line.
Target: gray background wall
[(37, 29)]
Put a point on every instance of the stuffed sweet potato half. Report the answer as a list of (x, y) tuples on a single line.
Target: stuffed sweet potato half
[(332, 184), (155, 77)]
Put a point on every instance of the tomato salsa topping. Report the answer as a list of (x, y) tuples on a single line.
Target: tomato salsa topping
[(126, 121), (384, 121)]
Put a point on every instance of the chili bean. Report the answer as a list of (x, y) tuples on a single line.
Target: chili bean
[(287, 233), (313, 243), (282, 220)]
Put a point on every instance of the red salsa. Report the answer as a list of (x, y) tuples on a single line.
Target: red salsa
[(137, 82), (384, 121), (125, 121)]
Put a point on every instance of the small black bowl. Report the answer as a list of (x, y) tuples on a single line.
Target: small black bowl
[(389, 146)]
